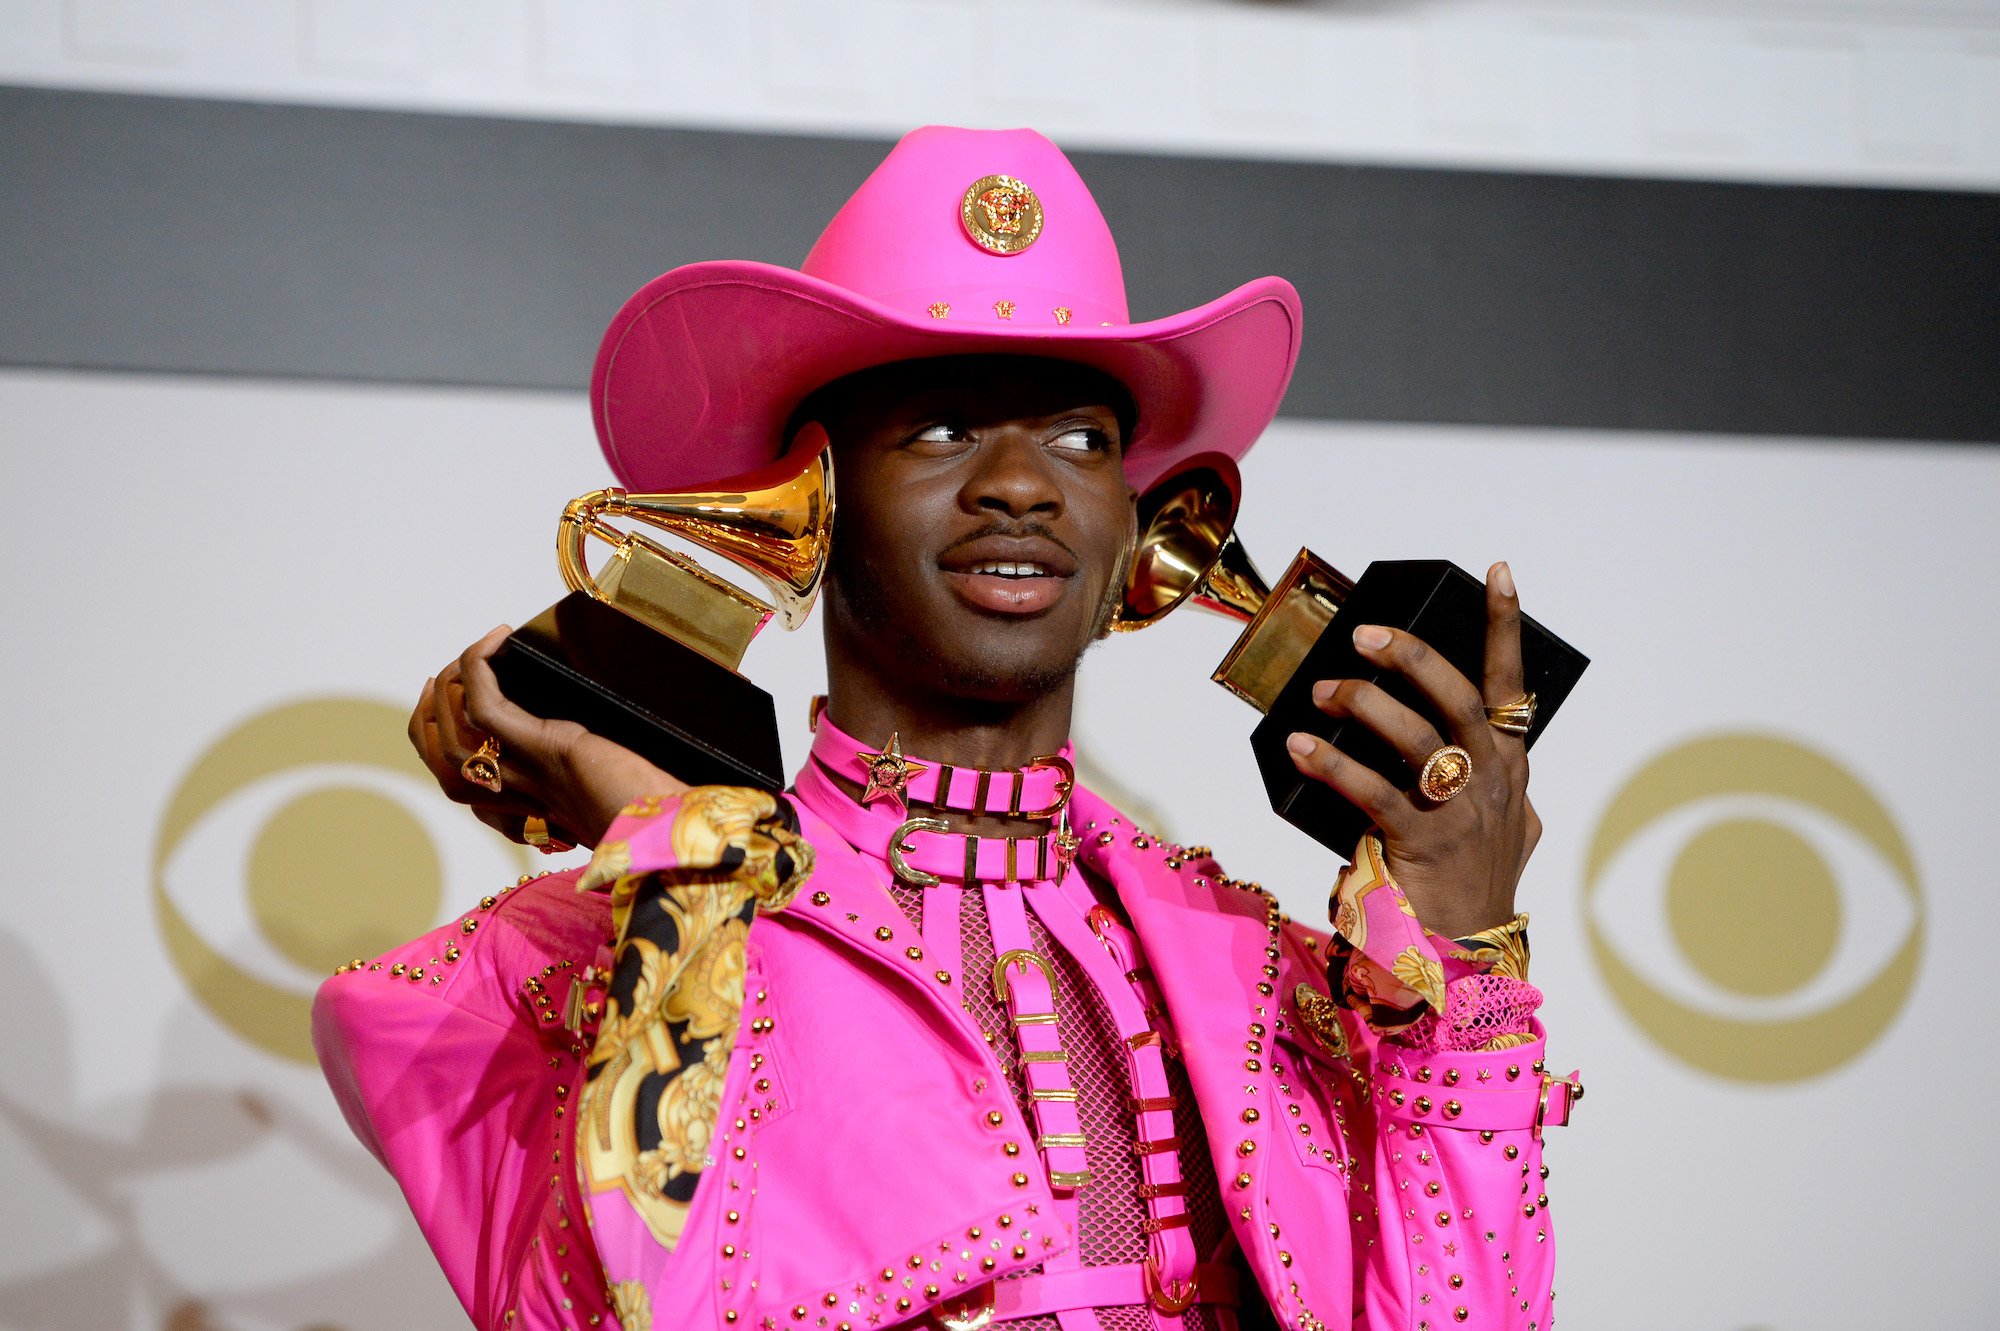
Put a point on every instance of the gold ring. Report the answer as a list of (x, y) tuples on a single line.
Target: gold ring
[(1516, 717), (483, 767), (1446, 772)]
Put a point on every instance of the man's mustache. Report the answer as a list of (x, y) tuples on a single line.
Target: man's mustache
[(1015, 530)]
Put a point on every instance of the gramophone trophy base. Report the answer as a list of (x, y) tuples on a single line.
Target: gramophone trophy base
[(585, 661), (1435, 601)]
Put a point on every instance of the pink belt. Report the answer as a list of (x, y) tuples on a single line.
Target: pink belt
[(1125, 1285)]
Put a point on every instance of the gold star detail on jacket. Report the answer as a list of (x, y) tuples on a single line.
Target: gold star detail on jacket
[(889, 772)]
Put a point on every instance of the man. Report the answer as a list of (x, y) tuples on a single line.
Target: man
[(939, 1038)]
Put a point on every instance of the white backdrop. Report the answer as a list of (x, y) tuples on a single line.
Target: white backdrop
[(223, 594), (1881, 92)]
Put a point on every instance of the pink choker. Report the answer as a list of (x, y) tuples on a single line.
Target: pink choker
[(1039, 790), (923, 850)]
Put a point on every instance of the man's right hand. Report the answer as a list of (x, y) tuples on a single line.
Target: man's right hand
[(554, 770)]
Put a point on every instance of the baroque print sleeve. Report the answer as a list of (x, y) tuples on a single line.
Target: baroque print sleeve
[(1458, 1096), (686, 878), (1410, 985), (464, 1059)]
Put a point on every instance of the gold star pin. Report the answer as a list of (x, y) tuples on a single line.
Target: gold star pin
[(889, 772)]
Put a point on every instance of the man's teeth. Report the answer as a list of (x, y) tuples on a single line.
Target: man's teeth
[(1008, 570)]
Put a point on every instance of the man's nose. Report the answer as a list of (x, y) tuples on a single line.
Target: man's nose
[(1012, 473)]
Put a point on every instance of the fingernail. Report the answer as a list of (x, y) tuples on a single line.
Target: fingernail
[(1300, 743), (1323, 691), (1371, 637), (1503, 578)]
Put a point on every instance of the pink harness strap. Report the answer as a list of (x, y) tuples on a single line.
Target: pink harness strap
[(1107, 953), (1133, 1185), (1494, 1102), (1091, 1287), (1025, 981), (923, 845)]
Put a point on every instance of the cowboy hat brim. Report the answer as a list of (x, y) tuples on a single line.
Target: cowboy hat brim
[(701, 369)]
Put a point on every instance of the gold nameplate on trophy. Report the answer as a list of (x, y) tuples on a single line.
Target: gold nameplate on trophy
[(644, 650), (679, 598)]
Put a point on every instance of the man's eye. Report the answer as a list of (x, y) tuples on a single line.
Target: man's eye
[(940, 434), (1082, 439)]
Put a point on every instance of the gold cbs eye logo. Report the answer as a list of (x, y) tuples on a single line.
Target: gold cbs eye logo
[(1753, 908), (306, 837)]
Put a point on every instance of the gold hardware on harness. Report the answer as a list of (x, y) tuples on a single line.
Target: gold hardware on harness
[(900, 845), (1064, 785), (1172, 1297), (967, 1312), (1021, 958)]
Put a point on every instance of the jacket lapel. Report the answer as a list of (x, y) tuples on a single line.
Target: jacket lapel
[(1205, 944)]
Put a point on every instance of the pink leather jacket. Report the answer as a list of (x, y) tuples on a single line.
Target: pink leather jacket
[(857, 1168)]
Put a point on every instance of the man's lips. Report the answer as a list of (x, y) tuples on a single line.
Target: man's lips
[(1008, 575), (1048, 558)]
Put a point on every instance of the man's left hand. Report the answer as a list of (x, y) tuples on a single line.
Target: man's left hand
[(1458, 862)]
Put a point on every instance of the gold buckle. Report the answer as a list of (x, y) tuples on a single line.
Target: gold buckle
[(1575, 1085), (970, 1312), (1175, 1296), (576, 1005), (900, 845), (1065, 786), (1022, 958)]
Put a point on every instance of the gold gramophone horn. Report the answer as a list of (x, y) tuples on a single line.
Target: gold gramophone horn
[(1188, 551), (778, 524)]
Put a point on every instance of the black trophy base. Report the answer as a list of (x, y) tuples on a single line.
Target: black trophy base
[(584, 661), (1443, 605)]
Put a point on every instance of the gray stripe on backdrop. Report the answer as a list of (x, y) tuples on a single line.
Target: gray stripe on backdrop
[(170, 234)]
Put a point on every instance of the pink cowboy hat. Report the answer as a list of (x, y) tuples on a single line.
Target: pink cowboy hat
[(961, 242)]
